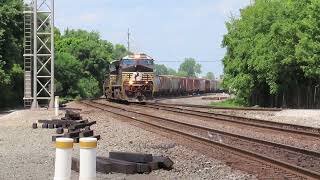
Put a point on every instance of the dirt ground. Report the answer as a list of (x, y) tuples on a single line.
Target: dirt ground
[(303, 117), (27, 153), (197, 100)]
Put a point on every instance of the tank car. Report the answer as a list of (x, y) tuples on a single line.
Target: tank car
[(130, 78)]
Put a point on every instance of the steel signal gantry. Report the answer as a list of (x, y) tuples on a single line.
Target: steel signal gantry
[(39, 53)]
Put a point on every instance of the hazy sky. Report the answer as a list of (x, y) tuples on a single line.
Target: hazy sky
[(168, 30)]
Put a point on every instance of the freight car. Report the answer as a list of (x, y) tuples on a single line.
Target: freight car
[(132, 79)]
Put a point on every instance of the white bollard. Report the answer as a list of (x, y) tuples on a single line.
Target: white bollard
[(56, 105), (88, 157), (63, 159)]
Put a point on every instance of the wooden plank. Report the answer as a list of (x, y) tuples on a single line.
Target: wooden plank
[(131, 157), (51, 126), (75, 164), (72, 134), (102, 165), (119, 166), (59, 130), (82, 125), (86, 133), (45, 125), (154, 165), (34, 125), (163, 162), (55, 137), (143, 168)]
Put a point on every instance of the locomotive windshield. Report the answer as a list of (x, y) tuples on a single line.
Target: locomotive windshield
[(146, 62), (128, 62)]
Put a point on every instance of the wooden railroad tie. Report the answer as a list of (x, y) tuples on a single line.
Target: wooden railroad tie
[(128, 163), (76, 126)]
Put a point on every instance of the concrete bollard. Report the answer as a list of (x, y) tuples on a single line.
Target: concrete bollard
[(63, 159), (56, 105), (88, 157)]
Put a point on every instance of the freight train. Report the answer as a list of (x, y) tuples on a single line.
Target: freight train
[(132, 79)]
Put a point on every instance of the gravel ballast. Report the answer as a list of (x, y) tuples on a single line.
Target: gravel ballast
[(303, 117), (27, 153)]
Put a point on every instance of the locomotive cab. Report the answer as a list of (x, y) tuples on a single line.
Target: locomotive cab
[(130, 79), (137, 76)]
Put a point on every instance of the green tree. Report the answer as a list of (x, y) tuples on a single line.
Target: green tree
[(272, 57), (11, 39), (90, 56), (87, 47), (190, 68), (68, 72), (89, 87), (210, 75), (160, 69), (119, 52), (171, 71)]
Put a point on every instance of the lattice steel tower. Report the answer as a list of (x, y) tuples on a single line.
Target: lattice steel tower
[(39, 53)]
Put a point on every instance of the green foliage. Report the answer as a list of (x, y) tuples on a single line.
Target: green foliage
[(82, 58), (171, 71), (68, 72), (89, 87), (209, 75), (190, 68), (182, 74), (227, 103), (11, 40), (119, 52), (161, 69), (4, 78), (272, 52)]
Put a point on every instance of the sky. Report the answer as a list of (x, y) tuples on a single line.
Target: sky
[(167, 30)]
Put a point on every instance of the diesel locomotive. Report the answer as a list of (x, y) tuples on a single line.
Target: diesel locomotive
[(132, 79)]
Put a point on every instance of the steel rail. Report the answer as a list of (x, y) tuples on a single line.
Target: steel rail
[(301, 171), (285, 127), (216, 107)]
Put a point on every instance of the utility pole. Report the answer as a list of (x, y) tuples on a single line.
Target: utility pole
[(128, 40)]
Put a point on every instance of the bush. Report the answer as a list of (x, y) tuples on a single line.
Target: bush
[(88, 87)]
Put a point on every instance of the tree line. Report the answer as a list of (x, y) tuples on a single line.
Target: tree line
[(273, 54), (82, 58), (188, 68)]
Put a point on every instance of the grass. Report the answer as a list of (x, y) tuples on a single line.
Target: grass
[(227, 103)]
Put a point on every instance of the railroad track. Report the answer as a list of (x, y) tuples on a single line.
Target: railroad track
[(284, 127), (225, 108), (288, 160)]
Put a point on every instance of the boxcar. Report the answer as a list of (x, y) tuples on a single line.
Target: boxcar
[(207, 86), (175, 85), (165, 85), (156, 86), (202, 87), (213, 85), (190, 86), (196, 86), (183, 86)]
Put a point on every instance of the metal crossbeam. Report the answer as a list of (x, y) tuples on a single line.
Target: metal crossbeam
[(39, 52)]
